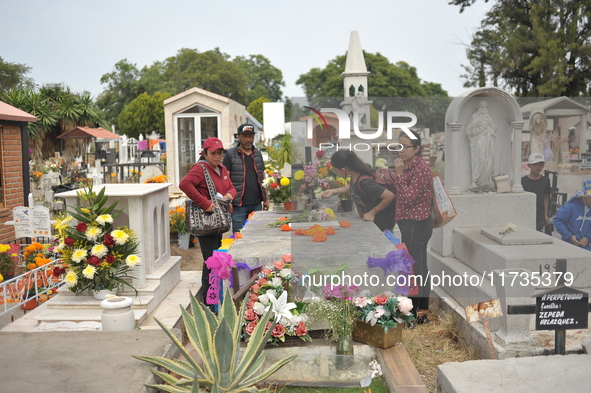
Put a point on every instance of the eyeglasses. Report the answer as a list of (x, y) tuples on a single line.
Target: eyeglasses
[(406, 147)]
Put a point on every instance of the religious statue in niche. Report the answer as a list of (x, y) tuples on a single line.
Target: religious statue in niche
[(538, 126), (481, 132), (357, 105)]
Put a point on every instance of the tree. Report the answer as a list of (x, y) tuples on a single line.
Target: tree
[(122, 87), (58, 110), (13, 76), (263, 79), (256, 108), (144, 115), (532, 48)]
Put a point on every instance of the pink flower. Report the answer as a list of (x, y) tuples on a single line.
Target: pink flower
[(380, 299), (361, 301), (250, 327), (287, 258), (405, 305), (302, 329), (250, 315), (278, 331), (278, 265), (379, 312)]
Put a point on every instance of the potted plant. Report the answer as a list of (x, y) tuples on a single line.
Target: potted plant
[(381, 319), (7, 262), (279, 189), (96, 256)]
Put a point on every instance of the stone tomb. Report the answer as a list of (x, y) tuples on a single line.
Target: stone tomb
[(470, 250), (145, 210)]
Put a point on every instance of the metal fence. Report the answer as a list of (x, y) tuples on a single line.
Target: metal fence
[(127, 173), (32, 285)]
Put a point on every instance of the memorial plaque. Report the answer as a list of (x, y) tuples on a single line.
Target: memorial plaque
[(31, 222), (561, 309), (585, 161)]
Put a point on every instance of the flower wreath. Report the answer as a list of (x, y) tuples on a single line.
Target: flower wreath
[(270, 290)]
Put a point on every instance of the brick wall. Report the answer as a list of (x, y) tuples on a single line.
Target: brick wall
[(12, 178)]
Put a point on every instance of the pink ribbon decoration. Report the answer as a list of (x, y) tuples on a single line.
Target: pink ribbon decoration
[(220, 264)]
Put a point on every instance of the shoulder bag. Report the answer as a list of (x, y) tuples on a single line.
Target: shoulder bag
[(201, 223)]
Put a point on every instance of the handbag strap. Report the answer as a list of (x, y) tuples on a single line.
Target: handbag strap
[(209, 182)]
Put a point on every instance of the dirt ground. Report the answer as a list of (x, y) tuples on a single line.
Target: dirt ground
[(191, 258)]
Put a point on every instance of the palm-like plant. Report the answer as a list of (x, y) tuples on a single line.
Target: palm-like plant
[(217, 340)]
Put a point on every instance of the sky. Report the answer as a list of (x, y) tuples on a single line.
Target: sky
[(75, 42)]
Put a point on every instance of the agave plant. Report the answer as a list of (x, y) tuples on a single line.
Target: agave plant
[(216, 340)]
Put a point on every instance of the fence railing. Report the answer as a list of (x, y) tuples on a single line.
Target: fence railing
[(29, 286), (128, 173)]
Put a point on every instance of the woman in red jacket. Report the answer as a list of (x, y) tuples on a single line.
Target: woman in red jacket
[(195, 187)]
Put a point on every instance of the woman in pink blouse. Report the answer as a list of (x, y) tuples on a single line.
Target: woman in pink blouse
[(414, 195)]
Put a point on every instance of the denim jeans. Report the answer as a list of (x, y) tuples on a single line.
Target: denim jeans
[(241, 213), (416, 234)]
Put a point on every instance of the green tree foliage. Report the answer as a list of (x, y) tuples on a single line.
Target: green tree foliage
[(13, 76), (144, 115), (256, 108), (58, 110), (263, 79), (533, 48), (122, 87)]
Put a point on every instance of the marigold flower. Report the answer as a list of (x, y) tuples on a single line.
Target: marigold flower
[(284, 181), (299, 175), (31, 266), (285, 227), (345, 224), (331, 231), (319, 237)]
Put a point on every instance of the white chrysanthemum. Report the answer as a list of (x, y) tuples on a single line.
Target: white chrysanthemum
[(104, 219), (79, 254), (259, 308), (285, 273), (132, 260), (120, 236), (99, 250), (92, 233), (70, 279), (89, 271), (277, 282), (264, 299)]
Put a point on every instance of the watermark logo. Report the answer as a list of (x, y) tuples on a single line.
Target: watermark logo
[(317, 116)]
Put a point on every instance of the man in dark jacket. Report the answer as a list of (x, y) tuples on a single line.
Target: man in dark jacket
[(246, 166)]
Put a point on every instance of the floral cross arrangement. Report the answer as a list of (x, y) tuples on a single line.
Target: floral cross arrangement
[(95, 255), (271, 290), (386, 309)]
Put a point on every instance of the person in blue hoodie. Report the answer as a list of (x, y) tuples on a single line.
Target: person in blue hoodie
[(573, 219)]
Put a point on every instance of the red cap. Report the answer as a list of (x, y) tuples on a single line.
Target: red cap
[(212, 144)]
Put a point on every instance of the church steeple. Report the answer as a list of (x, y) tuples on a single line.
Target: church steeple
[(355, 75)]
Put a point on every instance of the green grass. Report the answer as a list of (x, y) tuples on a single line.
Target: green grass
[(377, 386)]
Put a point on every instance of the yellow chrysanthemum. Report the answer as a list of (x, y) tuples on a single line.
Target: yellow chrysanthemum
[(92, 233), (1, 278), (70, 278), (120, 236), (4, 248), (132, 260), (104, 219), (99, 250), (299, 175), (79, 254), (329, 211), (89, 271), (284, 181)]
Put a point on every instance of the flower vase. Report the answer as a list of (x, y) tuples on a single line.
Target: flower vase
[(346, 205), (376, 335), (289, 205), (102, 293), (344, 356), (184, 240)]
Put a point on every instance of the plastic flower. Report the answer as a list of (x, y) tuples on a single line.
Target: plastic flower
[(264, 299), (99, 251), (132, 260), (92, 233), (104, 219), (89, 271), (70, 278), (120, 236), (281, 308), (79, 254), (404, 305), (285, 273), (284, 181)]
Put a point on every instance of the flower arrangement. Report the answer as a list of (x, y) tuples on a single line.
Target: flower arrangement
[(319, 176), (279, 189), (7, 261), (574, 151), (95, 255), (565, 166), (177, 220), (385, 309), (510, 227), (36, 255), (157, 179), (336, 309), (271, 289)]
